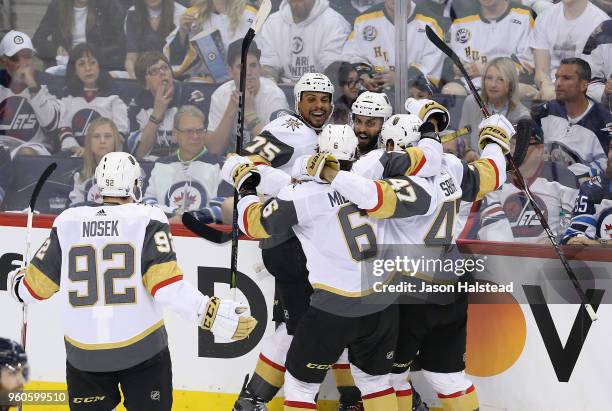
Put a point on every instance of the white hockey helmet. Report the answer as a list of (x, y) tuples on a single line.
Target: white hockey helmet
[(339, 140), (118, 175), (402, 129), (372, 104), (312, 82)]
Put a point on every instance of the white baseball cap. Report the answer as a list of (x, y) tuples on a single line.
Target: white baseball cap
[(13, 42)]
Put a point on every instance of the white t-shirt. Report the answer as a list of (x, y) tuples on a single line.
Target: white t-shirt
[(562, 37), (79, 27), (269, 99)]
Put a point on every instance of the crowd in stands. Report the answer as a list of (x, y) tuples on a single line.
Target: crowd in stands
[(158, 78)]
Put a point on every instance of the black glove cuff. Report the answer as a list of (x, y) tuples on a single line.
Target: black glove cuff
[(428, 130)]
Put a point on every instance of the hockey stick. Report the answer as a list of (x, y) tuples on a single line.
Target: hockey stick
[(463, 131), (438, 42), (204, 230), (26, 256), (260, 18)]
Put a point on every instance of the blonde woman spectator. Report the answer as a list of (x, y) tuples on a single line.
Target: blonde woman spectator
[(500, 92), (102, 138)]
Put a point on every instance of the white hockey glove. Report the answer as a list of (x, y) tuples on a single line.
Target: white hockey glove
[(426, 108), (496, 129), (227, 319), (237, 170), (312, 166), (12, 282)]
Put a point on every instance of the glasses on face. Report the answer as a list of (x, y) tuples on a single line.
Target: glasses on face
[(155, 71), (192, 131)]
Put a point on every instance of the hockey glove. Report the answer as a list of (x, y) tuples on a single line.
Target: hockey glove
[(241, 173), (227, 319), (496, 129), (428, 130), (314, 164), (428, 108), (13, 280)]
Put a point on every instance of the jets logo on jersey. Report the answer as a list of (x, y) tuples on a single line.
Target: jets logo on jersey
[(463, 35), (369, 33), (93, 193), (17, 118), (563, 154), (81, 121), (608, 128), (522, 218), (297, 45), (187, 195), (197, 96), (293, 123)]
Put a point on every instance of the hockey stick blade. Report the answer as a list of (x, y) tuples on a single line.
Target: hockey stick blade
[(204, 230), (444, 48), (41, 180)]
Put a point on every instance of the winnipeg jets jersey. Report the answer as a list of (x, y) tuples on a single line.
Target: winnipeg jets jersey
[(372, 41), (78, 112), (476, 39), (592, 214), (598, 53), (186, 185), (106, 264), (28, 118), (584, 140), (85, 191)]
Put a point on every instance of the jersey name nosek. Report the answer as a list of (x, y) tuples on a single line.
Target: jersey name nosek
[(100, 228)]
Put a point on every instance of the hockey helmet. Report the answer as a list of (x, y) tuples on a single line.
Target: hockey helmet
[(372, 104), (402, 130), (13, 357), (118, 175), (312, 82), (339, 140)]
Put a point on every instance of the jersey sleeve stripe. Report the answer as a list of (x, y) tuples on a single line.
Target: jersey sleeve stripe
[(165, 283), (433, 22), (417, 156), (252, 222), (157, 275), (379, 202), (38, 284), (489, 177), (258, 160)]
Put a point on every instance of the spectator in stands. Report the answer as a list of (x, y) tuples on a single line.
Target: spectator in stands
[(232, 18), (303, 36), (29, 112), (576, 129), (554, 189), (353, 8), (70, 22), (147, 24), (190, 179), (102, 137), (14, 371), (350, 85), (598, 53), (605, 6), (501, 95), (6, 173), (418, 85), (263, 99), (497, 28), (90, 95), (154, 109), (373, 42), (561, 32)]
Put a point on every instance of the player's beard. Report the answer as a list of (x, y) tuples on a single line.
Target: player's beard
[(368, 146)]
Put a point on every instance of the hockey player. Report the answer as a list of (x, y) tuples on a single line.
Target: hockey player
[(130, 246), (14, 371), (29, 110), (340, 307), (274, 152), (441, 339)]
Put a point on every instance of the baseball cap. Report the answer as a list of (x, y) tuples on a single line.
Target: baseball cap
[(13, 42)]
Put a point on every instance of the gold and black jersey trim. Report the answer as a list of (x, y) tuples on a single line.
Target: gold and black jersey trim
[(265, 148), (161, 275), (274, 217), (399, 197), (479, 178)]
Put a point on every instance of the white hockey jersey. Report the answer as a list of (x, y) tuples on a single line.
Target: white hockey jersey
[(186, 185), (108, 265), (476, 39), (79, 111), (28, 118), (306, 47), (372, 41), (598, 53)]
